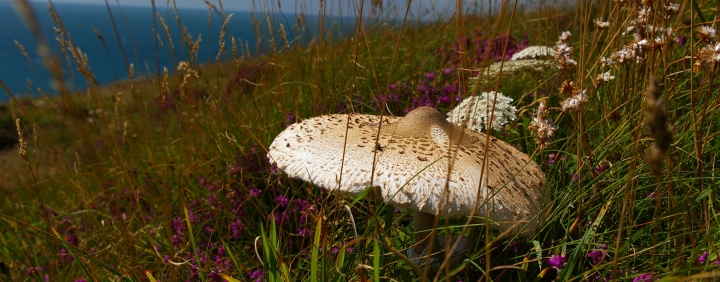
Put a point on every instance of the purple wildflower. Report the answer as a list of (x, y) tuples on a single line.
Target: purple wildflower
[(645, 277), (233, 169), (254, 192), (281, 218), (256, 276), (317, 107), (66, 255), (282, 201), (597, 256), (576, 177), (430, 76), (236, 228), (680, 40), (552, 158), (515, 246), (702, 258), (304, 232), (556, 261), (650, 195), (603, 166), (290, 119)]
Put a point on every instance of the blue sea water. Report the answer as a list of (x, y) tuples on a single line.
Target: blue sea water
[(136, 37)]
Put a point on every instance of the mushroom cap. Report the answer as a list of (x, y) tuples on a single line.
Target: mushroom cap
[(411, 159)]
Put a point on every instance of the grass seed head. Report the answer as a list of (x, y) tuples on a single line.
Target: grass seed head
[(22, 148), (657, 121)]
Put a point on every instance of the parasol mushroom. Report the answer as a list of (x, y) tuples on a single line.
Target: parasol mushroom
[(408, 167)]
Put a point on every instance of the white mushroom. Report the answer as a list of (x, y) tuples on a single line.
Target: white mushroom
[(411, 160)]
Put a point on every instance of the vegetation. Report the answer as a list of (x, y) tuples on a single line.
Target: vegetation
[(166, 178)]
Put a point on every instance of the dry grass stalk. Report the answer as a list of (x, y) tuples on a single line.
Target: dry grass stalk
[(657, 121), (189, 72), (234, 52), (284, 36), (77, 54), (157, 37), (247, 49), (131, 74), (124, 134), (117, 98), (52, 64), (25, 54), (270, 34), (167, 31), (22, 148), (193, 48), (163, 85), (221, 38)]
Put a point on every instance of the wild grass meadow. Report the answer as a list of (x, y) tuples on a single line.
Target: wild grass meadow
[(165, 177)]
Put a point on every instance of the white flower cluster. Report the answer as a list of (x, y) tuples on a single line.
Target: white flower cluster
[(479, 108), (637, 50), (708, 55), (573, 103), (532, 52), (563, 52), (600, 24), (604, 77)]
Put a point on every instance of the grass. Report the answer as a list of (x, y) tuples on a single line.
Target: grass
[(167, 178)]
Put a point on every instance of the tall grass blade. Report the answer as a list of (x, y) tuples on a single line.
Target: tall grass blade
[(150, 276), (376, 261), (237, 265), (270, 252), (315, 250), (192, 242), (72, 253), (228, 278)]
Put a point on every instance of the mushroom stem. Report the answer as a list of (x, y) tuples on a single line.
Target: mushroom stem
[(422, 225)]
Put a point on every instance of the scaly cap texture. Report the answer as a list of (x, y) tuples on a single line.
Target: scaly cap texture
[(411, 165)]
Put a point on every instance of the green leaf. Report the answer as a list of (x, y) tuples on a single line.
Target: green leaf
[(72, 253), (192, 241), (150, 276), (315, 249), (376, 261), (232, 257), (702, 195), (538, 252), (228, 278), (361, 196), (269, 251)]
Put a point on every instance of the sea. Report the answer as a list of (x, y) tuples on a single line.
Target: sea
[(149, 53)]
